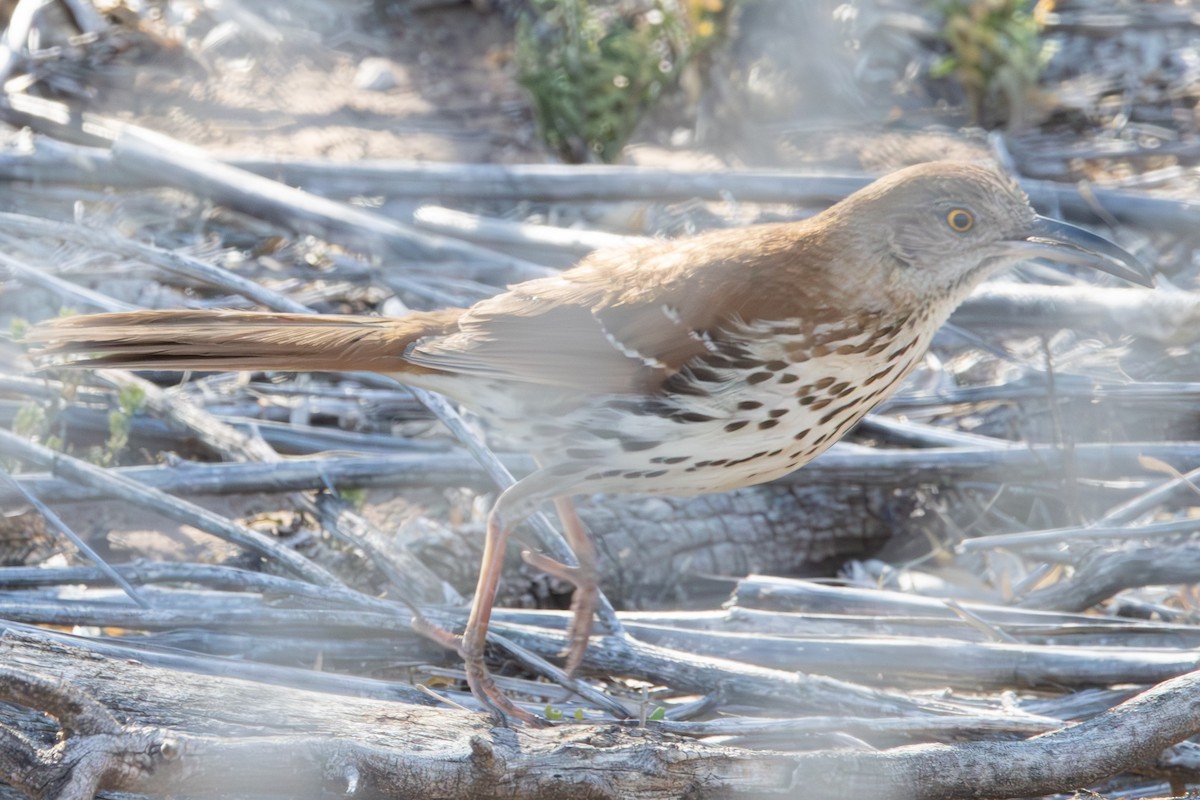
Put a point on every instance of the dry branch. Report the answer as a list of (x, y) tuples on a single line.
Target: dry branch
[(205, 737), (163, 160)]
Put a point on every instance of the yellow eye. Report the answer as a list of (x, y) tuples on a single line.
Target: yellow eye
[(960, 220)]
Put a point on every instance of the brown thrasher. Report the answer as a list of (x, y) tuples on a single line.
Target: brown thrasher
[(678, 367)]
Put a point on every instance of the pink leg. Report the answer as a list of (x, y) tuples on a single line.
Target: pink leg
[(511, 508), (582, 577), (474, 637)]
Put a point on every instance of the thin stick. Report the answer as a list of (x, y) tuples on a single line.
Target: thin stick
[(62, 527), (171, 507)]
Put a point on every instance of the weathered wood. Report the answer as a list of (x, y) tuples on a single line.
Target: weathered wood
[(207, 736)]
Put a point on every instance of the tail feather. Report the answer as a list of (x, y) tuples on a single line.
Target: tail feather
[(239, 340)]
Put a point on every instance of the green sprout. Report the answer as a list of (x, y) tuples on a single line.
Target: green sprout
[(592, 72), (997, 53)]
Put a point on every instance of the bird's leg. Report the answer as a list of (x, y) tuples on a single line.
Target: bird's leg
[(583, 577), (474, 638), (512, 507)]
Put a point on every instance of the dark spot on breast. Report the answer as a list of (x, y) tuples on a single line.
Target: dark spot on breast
[(767, 423), (658, 473), (837, 387), (820, 350), (734, 463), (802, 434), (846, 391), (881, 374), (737, 426), (633, 446), (877, 349), (902, 350), (704, 374), (749, 405), (691, 416), (672, 460), (832, 415), (822, 438), (636, 474), (807, 400), (845, 424), (788, 377), (758, 377), (776, 365), (747, 363), (817, 405), (824, 383), (610, 473), (774, 453), (777, 412)]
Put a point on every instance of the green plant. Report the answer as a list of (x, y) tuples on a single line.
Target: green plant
[(592, 72), (997, 54), (355, 497), (130, 400), (32, 421)]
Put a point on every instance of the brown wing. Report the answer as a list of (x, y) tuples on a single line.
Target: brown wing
[(628, 320), (539, 336)]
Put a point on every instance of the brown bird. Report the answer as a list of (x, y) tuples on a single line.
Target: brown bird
[(678, 367)]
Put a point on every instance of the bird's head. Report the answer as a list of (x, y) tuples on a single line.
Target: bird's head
[(943, 227)]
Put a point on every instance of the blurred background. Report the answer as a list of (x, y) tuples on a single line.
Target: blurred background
[(445, 149)]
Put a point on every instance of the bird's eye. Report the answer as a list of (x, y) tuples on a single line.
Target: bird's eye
[(960, 220)]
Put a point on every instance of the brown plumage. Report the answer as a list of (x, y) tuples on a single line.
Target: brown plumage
[(696, 365)]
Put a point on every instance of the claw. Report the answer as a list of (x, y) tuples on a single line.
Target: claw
[(484, 687), (583, 604), (585, 580)]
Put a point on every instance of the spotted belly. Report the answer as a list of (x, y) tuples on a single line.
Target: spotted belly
[(763, 433), (730, 427)]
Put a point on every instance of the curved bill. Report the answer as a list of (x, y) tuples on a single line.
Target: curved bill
[(1068, 244)]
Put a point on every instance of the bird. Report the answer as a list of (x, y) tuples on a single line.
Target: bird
[(677, 367)]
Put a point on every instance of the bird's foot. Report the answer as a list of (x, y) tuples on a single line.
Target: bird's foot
[(484, 687), (479, 680), (583, 604)]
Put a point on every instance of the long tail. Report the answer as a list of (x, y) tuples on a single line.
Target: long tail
[(239, 340)]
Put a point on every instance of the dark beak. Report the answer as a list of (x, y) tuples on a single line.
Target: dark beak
[(1058, 241)]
